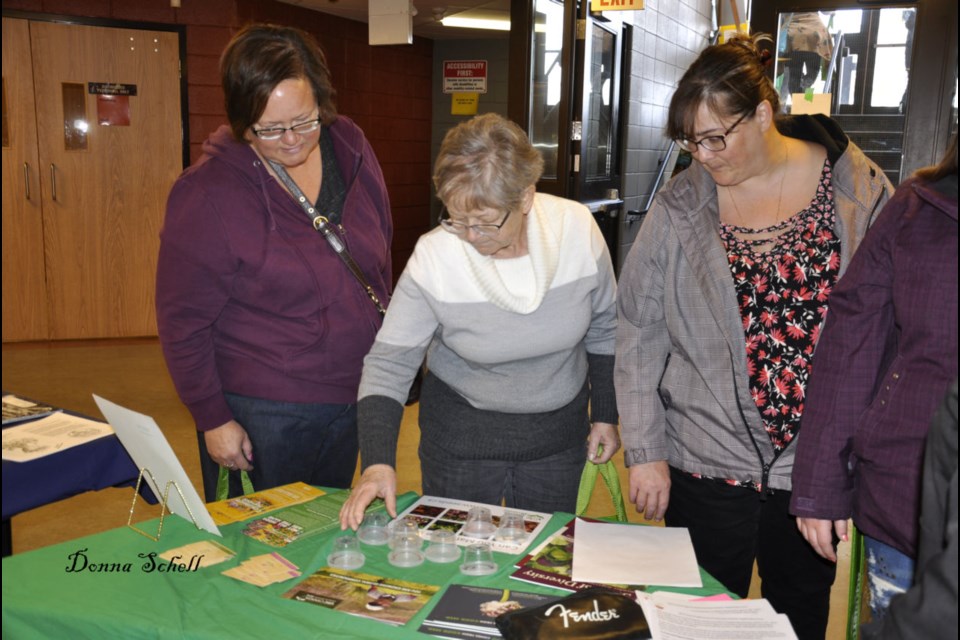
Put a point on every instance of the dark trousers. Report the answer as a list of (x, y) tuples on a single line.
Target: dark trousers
[(292, 442), (732, 526), (546, 484)]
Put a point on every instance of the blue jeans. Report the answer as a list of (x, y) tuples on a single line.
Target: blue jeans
[(546, 484), (889, 572), (292, 442)]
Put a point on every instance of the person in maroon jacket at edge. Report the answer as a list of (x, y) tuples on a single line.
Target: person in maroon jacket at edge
[(887, 356), (263, 327)]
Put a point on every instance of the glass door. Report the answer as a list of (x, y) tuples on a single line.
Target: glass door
[(874, 70)]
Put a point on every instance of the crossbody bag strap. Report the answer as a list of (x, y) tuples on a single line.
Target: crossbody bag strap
[(323, 225)]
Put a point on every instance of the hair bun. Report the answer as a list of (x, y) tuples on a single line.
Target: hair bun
[(766, 58)]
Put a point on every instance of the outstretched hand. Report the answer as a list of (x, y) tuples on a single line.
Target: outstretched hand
[(377, 481)]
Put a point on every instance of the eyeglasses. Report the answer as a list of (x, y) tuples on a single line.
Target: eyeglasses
[(275, 133), (711, 143), (460, 229)]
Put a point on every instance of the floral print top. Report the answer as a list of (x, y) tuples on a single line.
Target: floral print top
[(783, 276)]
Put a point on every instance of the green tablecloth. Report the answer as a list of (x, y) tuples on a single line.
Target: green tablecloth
[(41, 599)]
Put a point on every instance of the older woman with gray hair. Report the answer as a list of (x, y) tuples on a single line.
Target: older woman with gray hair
[(511, 299)]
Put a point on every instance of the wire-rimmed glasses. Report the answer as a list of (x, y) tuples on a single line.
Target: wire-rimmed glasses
[(711, 143), (460, 228), (275, 133)]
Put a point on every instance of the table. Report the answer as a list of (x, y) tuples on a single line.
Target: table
[(92, 466), (41, 598)]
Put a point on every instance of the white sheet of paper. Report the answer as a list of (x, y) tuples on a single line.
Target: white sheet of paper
[(50, 435), (634, 554), (149, 449), (672, 619)]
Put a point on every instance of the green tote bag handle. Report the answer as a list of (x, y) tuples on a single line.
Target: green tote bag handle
[(588, 480), (223, 483)]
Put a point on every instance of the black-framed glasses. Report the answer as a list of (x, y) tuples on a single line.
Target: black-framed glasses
[(460, 228), (275, 133), (711, 143)]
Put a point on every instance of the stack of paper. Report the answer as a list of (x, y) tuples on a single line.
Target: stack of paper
[(609, 553), (676, 617)]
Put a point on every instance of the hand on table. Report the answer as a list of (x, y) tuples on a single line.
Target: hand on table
[(650, 488), (602, 433), (819, 533), (229, 446), (377, 481)]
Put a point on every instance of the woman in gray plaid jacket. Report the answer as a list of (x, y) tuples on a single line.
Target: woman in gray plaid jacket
[(721, 302)]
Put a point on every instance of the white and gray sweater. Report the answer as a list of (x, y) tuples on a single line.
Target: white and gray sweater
[(503, 353)]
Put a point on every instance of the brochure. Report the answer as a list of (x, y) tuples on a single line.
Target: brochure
[(433, 513), (552, 566), (470, 612), (17, 409), (303, 520), (52, 434), (364, 595), (254, 504)]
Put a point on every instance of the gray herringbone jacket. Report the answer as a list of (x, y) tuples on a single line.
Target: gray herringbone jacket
[(681, 373)]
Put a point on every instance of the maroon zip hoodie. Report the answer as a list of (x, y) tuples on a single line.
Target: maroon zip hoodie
[(250, 298)]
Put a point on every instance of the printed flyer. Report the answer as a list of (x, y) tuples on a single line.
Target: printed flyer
[(365, 595), (434, 514)]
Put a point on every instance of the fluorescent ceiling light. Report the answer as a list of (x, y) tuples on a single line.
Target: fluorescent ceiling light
[(477, 23)]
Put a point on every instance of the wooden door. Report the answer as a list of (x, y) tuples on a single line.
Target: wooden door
[(107, 169), (24, 286)]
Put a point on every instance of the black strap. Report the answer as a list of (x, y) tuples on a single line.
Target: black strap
[(322, 224)]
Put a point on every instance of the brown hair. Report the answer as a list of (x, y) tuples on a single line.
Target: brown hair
[(729, 78), (486, 162), (261, 56), (946, 166)]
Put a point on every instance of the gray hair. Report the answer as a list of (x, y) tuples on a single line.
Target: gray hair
[(486, 162)]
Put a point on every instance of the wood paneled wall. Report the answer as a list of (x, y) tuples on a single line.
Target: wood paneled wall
[(386, 90)]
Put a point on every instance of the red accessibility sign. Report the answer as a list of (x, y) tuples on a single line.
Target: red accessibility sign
[(464, 76)]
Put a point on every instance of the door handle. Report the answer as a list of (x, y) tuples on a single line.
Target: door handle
[(26, 180), (53, 181)]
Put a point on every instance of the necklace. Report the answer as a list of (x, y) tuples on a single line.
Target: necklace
[(779, 225)]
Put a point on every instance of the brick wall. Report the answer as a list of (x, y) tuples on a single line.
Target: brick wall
[(386, 90)]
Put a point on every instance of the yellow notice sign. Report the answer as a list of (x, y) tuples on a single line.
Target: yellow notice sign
[(615, 5), (727, 31), (464, 104)]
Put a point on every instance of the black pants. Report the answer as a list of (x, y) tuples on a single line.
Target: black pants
[(731, 527)]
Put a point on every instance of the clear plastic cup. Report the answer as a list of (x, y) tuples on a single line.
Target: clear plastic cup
[(479, 523), (406, 548), (405, 526), (443, 547), (478, 560), (374, 529), (511, 527), (346, 553)]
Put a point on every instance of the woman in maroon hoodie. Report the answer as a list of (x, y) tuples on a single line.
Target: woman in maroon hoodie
[(886, 358), (263, 327)]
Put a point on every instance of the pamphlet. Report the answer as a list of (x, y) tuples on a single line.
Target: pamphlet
[(552, 566), (672, 618), (264, 570), (303, 520), (17, 409), (470, 612), (254, 504), (365, 595), (434, 514), (49, 435), (199, 555)]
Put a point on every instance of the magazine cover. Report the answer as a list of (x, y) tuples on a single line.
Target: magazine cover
[(552, 566), (470, 612), (433, 513), (363, 594)]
